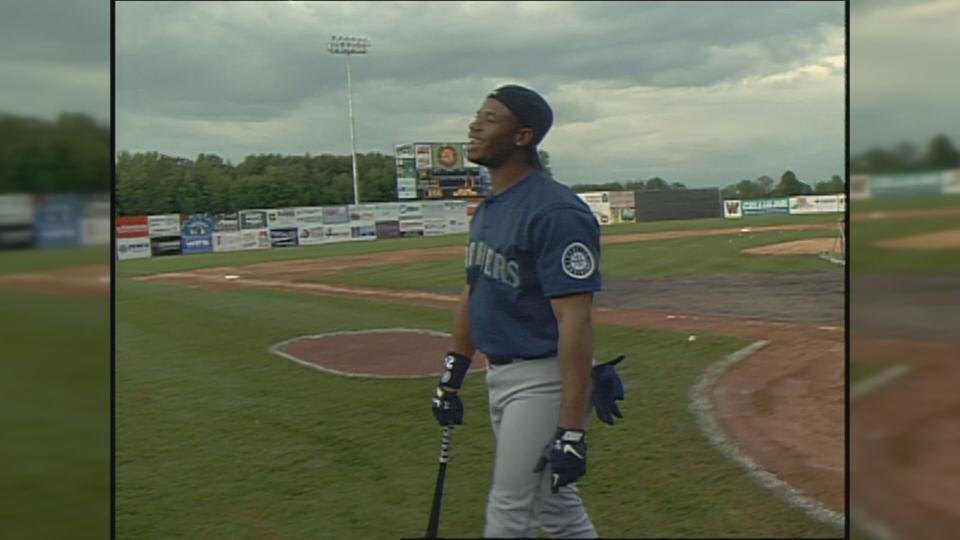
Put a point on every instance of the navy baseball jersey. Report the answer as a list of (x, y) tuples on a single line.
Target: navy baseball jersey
[(533, 242)]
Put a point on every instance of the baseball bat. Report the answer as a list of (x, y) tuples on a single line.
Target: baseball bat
[(433, 526)]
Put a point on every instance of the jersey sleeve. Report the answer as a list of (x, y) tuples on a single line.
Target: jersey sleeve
[(566, 245)]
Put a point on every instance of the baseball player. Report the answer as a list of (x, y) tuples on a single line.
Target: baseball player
[(532, 266)]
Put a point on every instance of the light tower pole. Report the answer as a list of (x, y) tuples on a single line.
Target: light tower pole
[(347, 45)]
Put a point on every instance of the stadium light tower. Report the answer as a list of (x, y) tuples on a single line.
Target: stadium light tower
[(347, 45)]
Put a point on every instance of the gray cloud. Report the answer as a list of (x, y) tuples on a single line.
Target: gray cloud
[(195, 77)]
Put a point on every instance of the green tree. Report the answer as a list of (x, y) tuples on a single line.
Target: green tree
[(677, 185), (941, 155), (545, 161), (656, 183), (789, 185), (829, 187), (766, 185)]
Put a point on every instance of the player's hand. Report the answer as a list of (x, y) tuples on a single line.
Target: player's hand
[(447, 407), (607, 390), (567, 456)]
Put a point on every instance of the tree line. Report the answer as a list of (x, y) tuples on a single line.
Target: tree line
[(69, 154)]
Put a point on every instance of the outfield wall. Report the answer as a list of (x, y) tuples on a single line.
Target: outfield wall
[(865, 186), (781, 206), (277, 228), (54, 221)]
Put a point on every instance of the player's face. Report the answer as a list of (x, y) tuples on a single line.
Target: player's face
[(492, 134)]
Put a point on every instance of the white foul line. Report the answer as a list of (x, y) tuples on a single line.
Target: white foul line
[(702, 407)]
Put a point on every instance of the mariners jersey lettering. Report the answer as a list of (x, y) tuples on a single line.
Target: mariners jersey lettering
[(531, 243)]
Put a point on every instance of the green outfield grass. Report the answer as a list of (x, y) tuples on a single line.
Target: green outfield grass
[(719, 223), (38, 260), (217, 438), (55, 419), (696, 256)]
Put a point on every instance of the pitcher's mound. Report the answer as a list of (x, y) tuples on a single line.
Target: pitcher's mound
[(810, 246), (393, 353)]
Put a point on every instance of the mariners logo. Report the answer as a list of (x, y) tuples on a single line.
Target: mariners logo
[(578, 262)]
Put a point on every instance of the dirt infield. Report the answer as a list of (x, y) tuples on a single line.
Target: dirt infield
[(811, 246), (942, 240), (88, 281), (385, 354), (785, 405)]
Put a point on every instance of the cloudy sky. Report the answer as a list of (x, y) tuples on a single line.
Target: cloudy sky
[(699, 93), (702, 93)]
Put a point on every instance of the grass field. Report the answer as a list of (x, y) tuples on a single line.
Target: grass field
[(217, 438), (696, 256), (39, 260), (55, 419)]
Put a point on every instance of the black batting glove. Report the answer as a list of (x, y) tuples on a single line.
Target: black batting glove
[(567, 456), (446, 405)]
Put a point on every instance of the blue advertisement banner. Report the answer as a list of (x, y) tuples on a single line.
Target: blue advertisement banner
[(57, 222), (765, 207), (197, 234)]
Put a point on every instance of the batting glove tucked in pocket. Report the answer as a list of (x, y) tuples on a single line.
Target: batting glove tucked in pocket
[(567, 456)]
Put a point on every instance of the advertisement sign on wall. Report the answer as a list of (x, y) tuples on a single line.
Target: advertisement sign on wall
[(434, 227), (411, 211), (253, 219), (57, 221), (197, 234), (227, 241), (423, 158), (95, 224), (282, 218), (283, 237), (337, 233), (362, 214), (224, 223), (433, 210), (859, 186), (365, 232), (951, 182), (446, 156), (334, 215), (403, 151), (16, 209), (133, 248), (255, 239), (406, 188), (388, 229), (732, 209), (765, 207), (165, 245), (906, 184), (132, 227), (814, 204), (164, 225), (599, 203)]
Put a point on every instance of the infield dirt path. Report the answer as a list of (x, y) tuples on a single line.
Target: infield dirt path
[(784, 404)]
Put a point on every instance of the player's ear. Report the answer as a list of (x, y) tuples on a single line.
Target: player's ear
[(523, 137)]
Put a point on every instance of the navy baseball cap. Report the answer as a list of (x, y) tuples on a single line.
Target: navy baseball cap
[(530, 109)]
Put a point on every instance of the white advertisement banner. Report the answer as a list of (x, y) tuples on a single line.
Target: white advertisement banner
[(164, 225), (95, 231), (411, 211), (311, 235), (434, 227), (951, 182), (388, 211), (424, 156), (814, 204), (860, 186), (133, 248), (362, 214), (433, 210), (16, 209), (337, 233), (406, 188), (403, 151), (227, 241), (842, 203), (255, 239), (411, 225), (282, 218), (732, 209), (308, 215), (623, 199)]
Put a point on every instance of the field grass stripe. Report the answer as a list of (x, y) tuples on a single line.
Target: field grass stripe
[(702, 406)]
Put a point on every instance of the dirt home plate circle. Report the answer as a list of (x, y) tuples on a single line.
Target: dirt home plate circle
[(388, 353)]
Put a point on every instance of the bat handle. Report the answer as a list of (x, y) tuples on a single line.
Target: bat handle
[(445, 444)]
